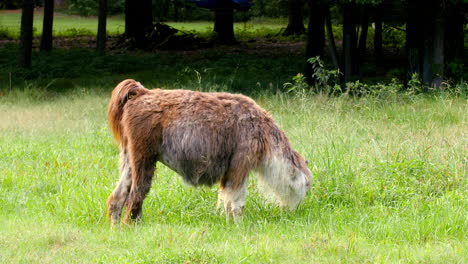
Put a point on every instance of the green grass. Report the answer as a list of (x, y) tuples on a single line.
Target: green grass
[(389, 186), (67, 25), (63, 24)]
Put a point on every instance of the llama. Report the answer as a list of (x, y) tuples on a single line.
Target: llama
[(206, 138)]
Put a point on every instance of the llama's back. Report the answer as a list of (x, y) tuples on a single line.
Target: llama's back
[(206, 130)]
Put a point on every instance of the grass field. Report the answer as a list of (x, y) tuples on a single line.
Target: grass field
[(66, 25), (389, 169), (389, 186)]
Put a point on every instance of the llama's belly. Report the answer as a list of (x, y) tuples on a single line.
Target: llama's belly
[(197, 150), (196, 170)]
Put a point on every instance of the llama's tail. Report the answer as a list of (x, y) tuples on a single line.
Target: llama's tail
[(124, 91)]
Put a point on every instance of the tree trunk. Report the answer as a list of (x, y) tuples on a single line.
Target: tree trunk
[(25, 48), (102, 26), (349, 42), (414, 39), (138, 21), (438, 65), (363, 36), (315, 35), (295, 19), (331, 40), (224, 22), (428, 16), (47, 25), (378, 54), (454, 38), (177, 6)]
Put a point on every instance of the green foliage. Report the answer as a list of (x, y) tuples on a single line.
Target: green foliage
[(298, 85), (3, 32), (269, 8), (326, 80), (90, 7), (181, 10), (84, 7), (362, 2), (455, 69), (10, 4), (394, 37), (414, 84), (382, 90)]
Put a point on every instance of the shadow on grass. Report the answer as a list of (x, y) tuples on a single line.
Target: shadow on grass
[(64, 70)]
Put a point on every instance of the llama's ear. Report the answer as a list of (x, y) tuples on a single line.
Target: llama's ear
[(132, 93), (136, 90)]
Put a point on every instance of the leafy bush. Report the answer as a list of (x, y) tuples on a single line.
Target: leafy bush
[(455, 70), (3, 32), (83, 7), (298, 84), (10, 4), (181, 10), (414, 84), (325, 78), (394, 37), (90, 7)]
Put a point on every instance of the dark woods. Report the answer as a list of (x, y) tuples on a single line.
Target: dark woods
[(433, 44), (434, 36)]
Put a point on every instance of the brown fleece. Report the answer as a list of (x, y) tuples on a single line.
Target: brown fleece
[(204, 137)]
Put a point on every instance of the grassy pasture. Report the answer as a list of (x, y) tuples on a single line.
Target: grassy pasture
[(389, 187), (66, 25), (389, 170)]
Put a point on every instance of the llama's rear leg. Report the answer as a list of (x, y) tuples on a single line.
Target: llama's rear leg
[(118, 197), (142, 176)]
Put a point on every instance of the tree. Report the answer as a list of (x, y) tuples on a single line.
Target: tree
[(25, 50), (331, 39), (434, 35), (425, 38), (224, 21), (378, 53), (295, 18), (315, 34), (438, 52), (363, 34), (46, 38), (138, 21), (349, 40), (102, 25), (454, 23)]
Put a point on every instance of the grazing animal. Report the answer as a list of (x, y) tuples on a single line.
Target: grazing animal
[(207, 138)]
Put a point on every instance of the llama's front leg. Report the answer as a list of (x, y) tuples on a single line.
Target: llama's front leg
[(233, 200), (233, 186), (118, 197)]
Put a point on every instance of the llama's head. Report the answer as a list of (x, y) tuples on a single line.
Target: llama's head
[(297, 180), (287, 178)]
